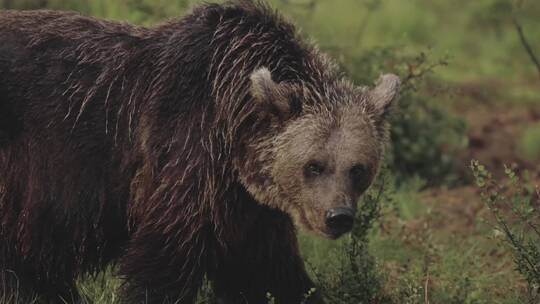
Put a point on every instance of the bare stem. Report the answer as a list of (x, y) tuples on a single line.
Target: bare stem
[(526, 44)]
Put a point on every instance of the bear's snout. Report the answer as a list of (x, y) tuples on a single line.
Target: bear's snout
[(339, 220)]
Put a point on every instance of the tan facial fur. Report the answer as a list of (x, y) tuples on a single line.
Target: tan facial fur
[(337, 140), (338, 132)]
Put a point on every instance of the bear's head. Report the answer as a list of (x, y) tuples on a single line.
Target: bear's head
[(323, 150)]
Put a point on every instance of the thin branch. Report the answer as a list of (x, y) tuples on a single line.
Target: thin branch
[(426, 288), (419, 69), (526, 44)]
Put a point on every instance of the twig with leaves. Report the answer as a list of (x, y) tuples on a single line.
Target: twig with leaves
[(516, 219), (418, 68)]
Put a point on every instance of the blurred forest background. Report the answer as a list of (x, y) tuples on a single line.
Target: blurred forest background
[(437, 227)]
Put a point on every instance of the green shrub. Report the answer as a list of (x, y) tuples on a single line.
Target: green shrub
[(425, 136), (515, 208), (344, 270)]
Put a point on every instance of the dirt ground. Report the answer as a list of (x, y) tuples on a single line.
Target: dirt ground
[(457, 220), (493, 135), (493, 132)]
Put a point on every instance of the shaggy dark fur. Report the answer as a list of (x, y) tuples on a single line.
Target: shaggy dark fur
[(118, 144)]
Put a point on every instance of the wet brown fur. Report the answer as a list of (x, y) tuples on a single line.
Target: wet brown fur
[(144, 147)]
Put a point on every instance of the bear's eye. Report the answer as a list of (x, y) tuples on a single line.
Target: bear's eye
[(313, 169), (359, 175)]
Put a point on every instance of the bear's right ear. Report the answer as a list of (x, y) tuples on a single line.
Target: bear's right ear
[(271, 96), (384, 94)]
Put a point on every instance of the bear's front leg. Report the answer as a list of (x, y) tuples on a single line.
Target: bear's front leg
[(24, 287), (161, 269), (266, 264)]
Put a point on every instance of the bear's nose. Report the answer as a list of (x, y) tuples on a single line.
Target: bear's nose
[(339, 220)]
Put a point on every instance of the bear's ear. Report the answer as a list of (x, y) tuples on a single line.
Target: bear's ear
[(385, 92), (268, 94)]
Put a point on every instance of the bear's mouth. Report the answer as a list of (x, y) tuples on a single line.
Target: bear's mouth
[(322, 230), (303, 220), (334, 235)]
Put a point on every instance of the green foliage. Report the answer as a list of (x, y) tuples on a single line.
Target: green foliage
[(516, 212), (354, 275), (530, 143), (138, 11), (425, 136), (425, 139), (100, 289)]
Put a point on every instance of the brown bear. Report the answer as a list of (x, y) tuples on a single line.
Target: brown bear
[(177, 152)]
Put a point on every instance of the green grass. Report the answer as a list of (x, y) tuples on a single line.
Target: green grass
[(414, 250), (530, 142), (100, 289)]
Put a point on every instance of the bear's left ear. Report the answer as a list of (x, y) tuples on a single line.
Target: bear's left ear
[(271, 96), (385, 92)]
